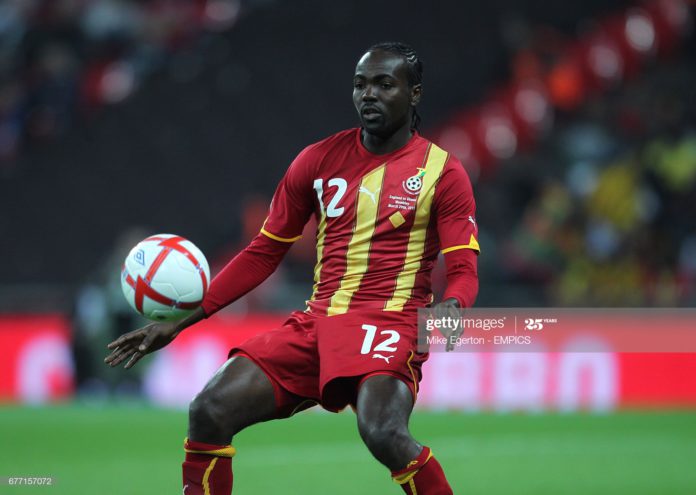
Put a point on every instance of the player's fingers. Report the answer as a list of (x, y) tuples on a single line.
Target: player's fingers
[(127, 337), (111, 356), (134, 359), (452, 340), (126, 349), (114, 354), (447, 334), (120, 341), (121, 356), (454, 313)]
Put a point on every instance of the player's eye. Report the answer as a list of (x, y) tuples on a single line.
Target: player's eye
[(358, 85), (387, 85)]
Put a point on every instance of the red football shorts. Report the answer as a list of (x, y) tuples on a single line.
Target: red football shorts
[(324, 359)]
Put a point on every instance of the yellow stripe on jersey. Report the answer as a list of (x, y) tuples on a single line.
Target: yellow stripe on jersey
[(278, 238), (358, 254), (473, 244), (434, 165), (321, 235)]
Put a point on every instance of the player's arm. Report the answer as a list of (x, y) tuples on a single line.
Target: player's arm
[(291, 207), (245, 272), (455, 210), (455, 215)]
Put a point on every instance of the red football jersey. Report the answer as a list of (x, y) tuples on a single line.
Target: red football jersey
[(381, 220)]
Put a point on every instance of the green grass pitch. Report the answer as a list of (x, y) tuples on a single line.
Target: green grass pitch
[(137, 450)]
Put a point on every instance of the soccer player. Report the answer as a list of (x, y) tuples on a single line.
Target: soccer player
[(386, 201)]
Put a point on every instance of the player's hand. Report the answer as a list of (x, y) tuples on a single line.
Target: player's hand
[(449, 307), (134, 345)]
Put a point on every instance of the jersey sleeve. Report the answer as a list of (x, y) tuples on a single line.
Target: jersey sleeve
[(244, 272), (293, 201), (462, 277), (455, 210)]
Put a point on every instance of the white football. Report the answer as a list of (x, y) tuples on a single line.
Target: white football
[(165, 277)]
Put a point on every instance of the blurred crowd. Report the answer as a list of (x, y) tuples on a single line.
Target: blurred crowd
[(62, 59), (608, 218)]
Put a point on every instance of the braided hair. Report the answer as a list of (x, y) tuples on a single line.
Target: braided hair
[(413, 64)]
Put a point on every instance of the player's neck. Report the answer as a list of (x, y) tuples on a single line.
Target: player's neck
[(380, 145)]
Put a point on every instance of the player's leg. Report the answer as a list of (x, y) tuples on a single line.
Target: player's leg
[(239, 395), (383, 409), (384, 406)]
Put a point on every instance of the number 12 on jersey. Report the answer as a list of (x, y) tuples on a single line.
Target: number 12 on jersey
[(331, 209), (383, 346)]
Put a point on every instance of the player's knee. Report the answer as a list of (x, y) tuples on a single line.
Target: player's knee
[(382, 436), (208, 415)]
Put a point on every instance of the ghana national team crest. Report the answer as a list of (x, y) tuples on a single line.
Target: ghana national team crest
[(413, 184)]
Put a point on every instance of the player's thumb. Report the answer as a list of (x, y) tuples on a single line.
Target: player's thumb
[(147, 341)]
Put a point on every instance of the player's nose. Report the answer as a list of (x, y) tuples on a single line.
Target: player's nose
[(369, 93)]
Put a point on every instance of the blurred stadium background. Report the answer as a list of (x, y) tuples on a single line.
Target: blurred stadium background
[(122, 118)]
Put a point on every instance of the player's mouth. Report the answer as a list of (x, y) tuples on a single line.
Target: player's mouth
[(370, 113)]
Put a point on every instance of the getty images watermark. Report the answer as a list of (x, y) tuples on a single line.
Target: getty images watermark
[(557, 330)]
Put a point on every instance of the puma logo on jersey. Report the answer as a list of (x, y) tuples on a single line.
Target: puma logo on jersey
[(386, 358), (371, 194)]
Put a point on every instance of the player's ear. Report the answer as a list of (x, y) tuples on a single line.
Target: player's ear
[(416, 92)]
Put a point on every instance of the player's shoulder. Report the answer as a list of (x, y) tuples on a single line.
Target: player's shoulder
[(342, 139), (315, 153), (454, 171), (310, 160), (452, 161)]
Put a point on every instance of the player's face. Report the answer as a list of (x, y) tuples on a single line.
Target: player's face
[(381, 93)]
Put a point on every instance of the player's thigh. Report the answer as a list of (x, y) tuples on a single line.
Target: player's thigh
[(384, 404)]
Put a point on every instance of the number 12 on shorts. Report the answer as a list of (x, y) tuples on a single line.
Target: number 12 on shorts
[(383, 346)]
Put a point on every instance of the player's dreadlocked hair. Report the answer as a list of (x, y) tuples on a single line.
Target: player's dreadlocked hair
[(413, 63)]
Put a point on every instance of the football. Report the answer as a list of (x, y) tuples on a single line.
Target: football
[(165, 277)]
